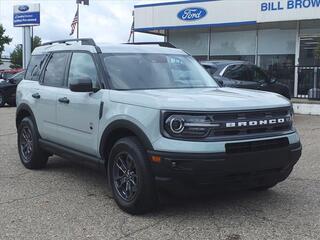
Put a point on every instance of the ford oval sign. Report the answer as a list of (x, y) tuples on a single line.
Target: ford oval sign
[(192, 14), (23, 8)]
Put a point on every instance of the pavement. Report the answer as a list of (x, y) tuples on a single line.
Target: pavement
[(71, 201)]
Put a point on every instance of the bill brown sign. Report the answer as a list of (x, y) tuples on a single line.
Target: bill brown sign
[(26, 15)]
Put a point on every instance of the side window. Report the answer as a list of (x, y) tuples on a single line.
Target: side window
[(55, 70), (257, 75), (237, 72), (82, 66), (210, 69), (34, 67)]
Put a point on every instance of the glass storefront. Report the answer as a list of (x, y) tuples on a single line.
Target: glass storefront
[(194, 42), (272, 46)]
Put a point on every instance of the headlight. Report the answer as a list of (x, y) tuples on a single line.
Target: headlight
[(187, 125)]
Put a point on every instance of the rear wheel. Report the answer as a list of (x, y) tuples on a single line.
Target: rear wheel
[(31, 155), (130, 177), (2, 100)]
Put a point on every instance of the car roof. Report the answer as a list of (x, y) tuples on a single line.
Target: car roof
[(108, 48)]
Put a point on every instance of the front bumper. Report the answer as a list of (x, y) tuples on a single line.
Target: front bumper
[(248, 164)]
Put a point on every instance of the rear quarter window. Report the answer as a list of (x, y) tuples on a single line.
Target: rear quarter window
[(34, 67)]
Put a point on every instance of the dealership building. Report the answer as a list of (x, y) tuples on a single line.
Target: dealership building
[(280, 36)]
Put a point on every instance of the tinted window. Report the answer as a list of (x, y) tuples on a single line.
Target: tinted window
[(156, 71), (82, 66), (54, 73), (34, 67), (17, 78), (210, 69), (237, 72), (256, 74)]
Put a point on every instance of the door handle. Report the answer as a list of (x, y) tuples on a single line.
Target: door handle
[(64, 100), (36, 95)]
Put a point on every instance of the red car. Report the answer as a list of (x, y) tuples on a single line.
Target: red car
[(6, 74)]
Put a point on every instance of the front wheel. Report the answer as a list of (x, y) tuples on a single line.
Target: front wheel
[(31, 155), (130, 177)]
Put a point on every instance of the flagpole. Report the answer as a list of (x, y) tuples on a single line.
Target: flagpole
[(133, 27), (78, 20)]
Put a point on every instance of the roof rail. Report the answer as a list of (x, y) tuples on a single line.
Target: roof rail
[(161, 44), (83, 41)]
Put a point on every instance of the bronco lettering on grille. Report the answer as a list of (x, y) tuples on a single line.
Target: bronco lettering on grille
[(264, 122)]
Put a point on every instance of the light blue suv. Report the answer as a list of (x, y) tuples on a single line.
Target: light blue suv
[(153, 117)]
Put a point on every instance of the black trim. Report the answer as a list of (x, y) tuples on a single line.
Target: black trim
[(161, 44), (124, 124), (249, 167), (68, 152), (83, 41), (25, 107), (101, 110)]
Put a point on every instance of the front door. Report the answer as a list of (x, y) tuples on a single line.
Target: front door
[(78, 112), (309, 67)]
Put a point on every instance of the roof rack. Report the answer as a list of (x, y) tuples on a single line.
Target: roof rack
[(83, 41), (161, 44)]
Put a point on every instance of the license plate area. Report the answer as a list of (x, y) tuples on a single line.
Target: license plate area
[(257, 146)]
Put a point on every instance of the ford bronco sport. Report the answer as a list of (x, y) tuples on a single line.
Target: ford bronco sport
[(153, 117)]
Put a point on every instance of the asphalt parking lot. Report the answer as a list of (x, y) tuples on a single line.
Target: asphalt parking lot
[(71, 201)]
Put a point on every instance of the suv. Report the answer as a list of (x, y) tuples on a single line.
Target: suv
[(153, 117), (242, 74)]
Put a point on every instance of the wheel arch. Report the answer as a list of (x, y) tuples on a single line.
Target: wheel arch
[(23, 110), (117, 130)]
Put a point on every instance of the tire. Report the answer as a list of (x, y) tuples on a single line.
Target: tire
[(2, 100), (31, 155), (132, 183)]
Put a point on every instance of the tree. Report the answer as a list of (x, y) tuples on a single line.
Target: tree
[(16, 55), (3, 40)]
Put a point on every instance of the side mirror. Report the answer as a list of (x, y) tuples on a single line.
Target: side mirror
[(12, 81), (272, 80), (81, 85)]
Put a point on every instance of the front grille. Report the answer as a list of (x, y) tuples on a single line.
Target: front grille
[(251, 117)]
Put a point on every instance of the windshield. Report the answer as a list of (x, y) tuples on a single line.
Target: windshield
[(156, 71)]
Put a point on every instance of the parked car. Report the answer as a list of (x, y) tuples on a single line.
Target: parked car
[(8, 89), (6, 74), (152, 117), (242, 74)]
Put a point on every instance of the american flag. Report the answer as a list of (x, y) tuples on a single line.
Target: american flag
[(74, 22)]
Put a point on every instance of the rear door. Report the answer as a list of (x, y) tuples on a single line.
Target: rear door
[(45, 94), (78, 112)]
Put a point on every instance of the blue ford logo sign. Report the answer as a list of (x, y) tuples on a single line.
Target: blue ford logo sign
[(192, 14), (23, 8)]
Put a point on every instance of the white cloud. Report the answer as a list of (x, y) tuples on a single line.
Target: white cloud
[(104, 20)]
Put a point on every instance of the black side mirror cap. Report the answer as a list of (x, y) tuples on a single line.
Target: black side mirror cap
[(81, 85)]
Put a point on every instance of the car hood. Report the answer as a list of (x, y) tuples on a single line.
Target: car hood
[(200, 99)]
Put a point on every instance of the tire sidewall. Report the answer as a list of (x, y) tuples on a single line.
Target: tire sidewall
[(146, 181), (3, 101), (37, 158)]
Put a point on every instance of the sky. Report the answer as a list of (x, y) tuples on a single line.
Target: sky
[(103, 20)]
